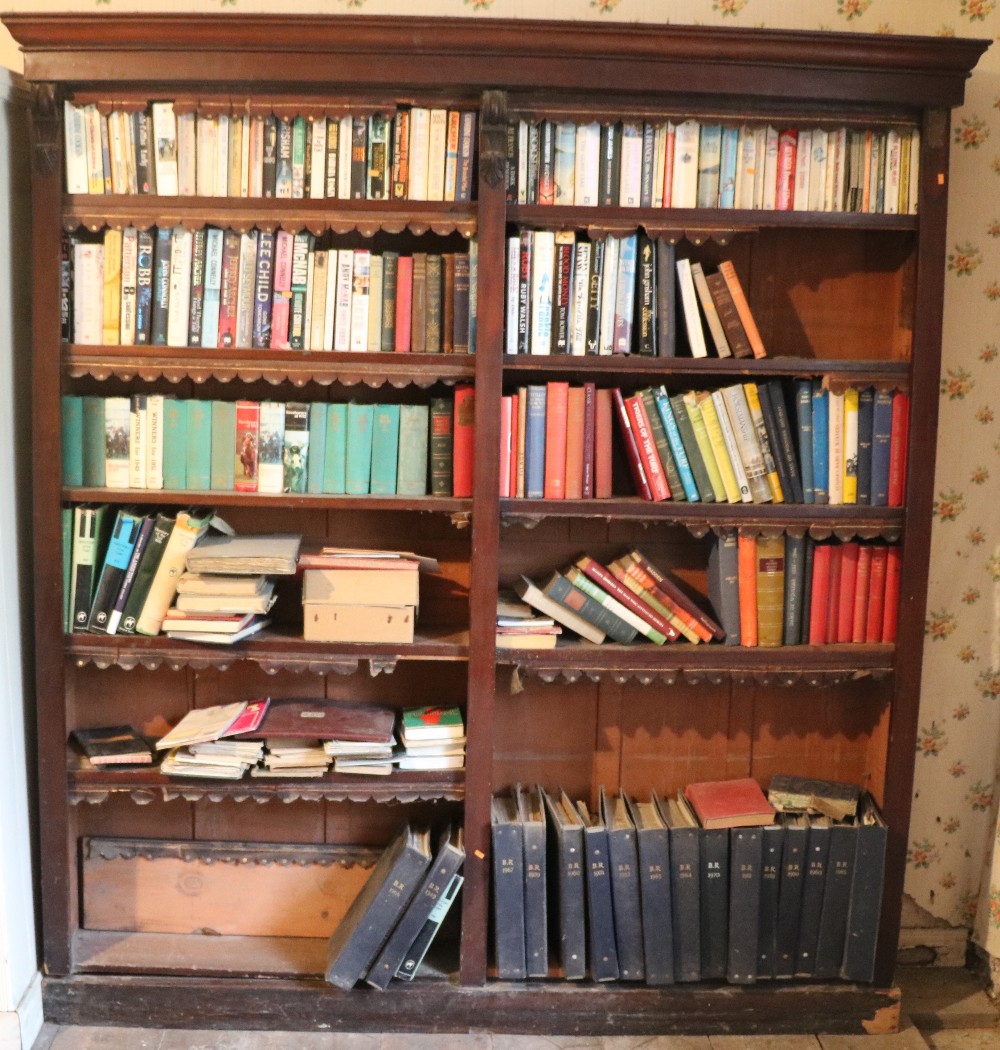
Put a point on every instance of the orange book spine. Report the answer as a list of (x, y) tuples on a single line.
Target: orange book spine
[(876, 593), (833, 592), (648, 583), (746, 550), (820, 595), (556, 410), (574, 443), (728, 271), (463, 436), (848, 577), (890, 612), (859, 626), (603, 423)]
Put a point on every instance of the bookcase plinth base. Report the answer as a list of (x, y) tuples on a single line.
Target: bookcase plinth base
[(441, 1006)]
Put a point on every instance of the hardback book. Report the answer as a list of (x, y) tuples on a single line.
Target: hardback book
[(566, 861), (723, 584), (441, 445), (713, 320), (882, 413), (600, 908), (685, 887), (666, 298), (117, 428), (623, 866), (772, 844), (831, 798), (598, 621), (773, 409), (556, 411), (188, 528), (131, 573), (411, 471), (373, 914), (866, 413), (605, 579), (429, 723), (820, 443), (645, 443), (531, 818), (714, 875), (746, 555), (704, 625), (463, 441), (767, 450), (715, 439), (118, 554), (794, 589), (689, 305), (804, 427), (631, 445), (898, 443), (745, 855), (790, 894), (728, 271), (580, 580), (446, 865), (653, 844), (729, 803), (385, 449), (814, 870), (114, 745), (747, 444), (865, 908), (770, 590), (836, 900), (508, 889)]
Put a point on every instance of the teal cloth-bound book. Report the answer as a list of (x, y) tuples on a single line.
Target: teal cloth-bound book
[(385, 450), (175, 444), (198, 419), (335, 454), (223, 445), (676, 443), (360, 419), (93, 441), (820, 443), (317, 447), (72, 439), (411, 469)]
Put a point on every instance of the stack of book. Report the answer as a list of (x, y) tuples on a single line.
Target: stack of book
[(710, 885), (202, 744), (703, 164), (351, 595), (404, 152), (432, 738), (795, 442), (518, 627), (391, 923), (629, 598), (264, 289), (152, 441), (793, 590)]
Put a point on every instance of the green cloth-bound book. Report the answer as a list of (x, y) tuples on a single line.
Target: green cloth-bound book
[(198, 449), (335, 456), (72, 439), (317, 447), (93, 441), (174, 444), (411, 468), (385, 450), (223, 445), (360, 419)]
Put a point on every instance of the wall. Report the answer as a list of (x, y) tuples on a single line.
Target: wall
[(954, 819)]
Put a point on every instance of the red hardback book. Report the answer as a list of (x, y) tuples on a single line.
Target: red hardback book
[(833, 593), (556, 410), (898, 440), (729, 803), (574, 443), (603, 426), (247, 445), (668, 166), (606, 580), (848, 577), (647, 448), (589, 421), (515, 428), (746, 551), (859, 626), (463, 435), (893, 567), (506, 405), (787, 148), (876, 593), (631, 447), (404, 302), (669, 589), (820, 595), (637, 573)]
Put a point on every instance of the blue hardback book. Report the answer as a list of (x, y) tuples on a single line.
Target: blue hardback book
[(881, 436), (534, 443), (316, 464), (820, 443), (676, 444), (803, 411), (727, 167)]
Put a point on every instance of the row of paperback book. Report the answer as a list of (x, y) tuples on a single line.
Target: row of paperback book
[(264, 290), (153, 441), (409, 153), (717, 884), (620, 295), (795, 441), (793, 590), (705, 164)]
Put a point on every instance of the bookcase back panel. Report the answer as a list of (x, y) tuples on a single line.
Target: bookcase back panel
[(232, 820), (373, 824), (119, 817), (96, 697)]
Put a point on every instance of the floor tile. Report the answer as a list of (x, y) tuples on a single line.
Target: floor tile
[(764, 1042), (907, 1038), (656, 1042), (938, 997), (106, 1038), (547, 1042), (964, 1039), (210, 1039), (45, 1037), (435, 1041)]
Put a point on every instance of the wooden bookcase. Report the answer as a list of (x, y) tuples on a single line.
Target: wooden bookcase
[(857, 297)]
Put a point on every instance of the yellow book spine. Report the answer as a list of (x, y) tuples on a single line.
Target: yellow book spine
[(757, 415), (851, 445), (770, 589), (112, 286), (718, 442), (654, 603), (704, 446)]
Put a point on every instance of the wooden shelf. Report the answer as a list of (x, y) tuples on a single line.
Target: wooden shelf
[(812, 665), (297, 367), (247, 213), (143, 785), (270, 650)]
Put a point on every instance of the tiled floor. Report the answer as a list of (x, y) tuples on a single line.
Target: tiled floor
[(948, 1010)]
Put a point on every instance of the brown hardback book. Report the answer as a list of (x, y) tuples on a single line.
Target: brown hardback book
[(729, 803), (830, 798), (729, 315), (327, 720), (770, 589)]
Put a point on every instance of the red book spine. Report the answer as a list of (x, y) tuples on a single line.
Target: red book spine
[(820, 595), (247, 444), (605, 579), (833, 594), (574, 443), (787, 146), (876, 593), (679, 598), (848, 579), (505, 434), (647, 448), (230, 291), (589, 420), (648, 583), (463, 441), (746, 552), (514, 437), (404, 302), (603, 426), (859, 626), (668, 166), (893, 567), (898, 440), (282, 301), (556, 411), (631, 447)]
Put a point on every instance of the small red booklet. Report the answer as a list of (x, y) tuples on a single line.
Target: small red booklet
[(729, 803)]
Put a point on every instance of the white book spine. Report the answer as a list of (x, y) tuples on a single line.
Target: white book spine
[(437, 144), (522, 161), (578, 305), (245, 294), (770, 169), (222, 188), (588, 161), (893, 146), (684, 185), (376, 270), (88, 297), (137, 441), (835, 481), (747, 443), (630, 169), (609, 292), (76, 149), (179, 302), (207, 129), (119, 166), (746, 163), (186, 154), (542, 273), (154, 441), (732, 446), (317, 307), (117, 431), (345, 138), (95, 159), (255, 156), (803, 170), (345, 279), (317, 169), (760, 151), (817, 173), (270, 469), (213, 288), (914, 194), (245, 158), (360, 300), (689, 305), (513, 284), (130, 260), (420, 132), (128, 131), (840, 170), (659, 163)]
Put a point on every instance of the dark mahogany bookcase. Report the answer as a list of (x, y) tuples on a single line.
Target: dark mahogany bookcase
[(630, 718)]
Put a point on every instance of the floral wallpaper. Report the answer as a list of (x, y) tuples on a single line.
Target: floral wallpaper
[(954, 844)]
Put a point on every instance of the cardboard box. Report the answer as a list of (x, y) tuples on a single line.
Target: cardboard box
[(324, 622), (362, 586)]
